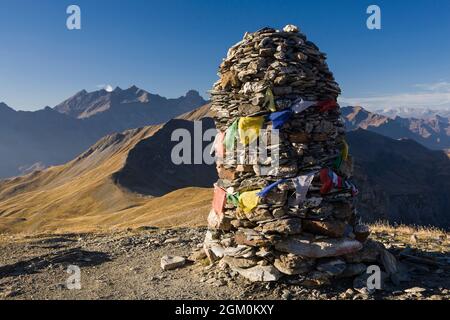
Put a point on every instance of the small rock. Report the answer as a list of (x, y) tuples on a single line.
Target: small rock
[(10, 293), (316, 279), (361, 232), (286, 295), (348, 294), (290, 28), (172, 240), (415, 290)]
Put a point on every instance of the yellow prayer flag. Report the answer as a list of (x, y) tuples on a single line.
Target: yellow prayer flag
[(269, 101), (248, 200), (249, 128), (345, 151)]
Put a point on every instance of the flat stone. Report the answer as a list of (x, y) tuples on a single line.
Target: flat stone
[(259, 214), (334, 229), (238, 262), (226, 174), (300, 137), (316, 279), (250, 237), (238, 251), (284, 226), (292, 265), (242, 224), (319, 249), (415, 290), (353, 269), (389, 262), (172, 262), (333, 268), (259, 273), (369, 253)]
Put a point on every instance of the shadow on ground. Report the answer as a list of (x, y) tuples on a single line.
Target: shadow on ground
[(75, 256)]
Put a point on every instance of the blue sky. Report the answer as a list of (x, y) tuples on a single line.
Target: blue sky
[(168, 47)]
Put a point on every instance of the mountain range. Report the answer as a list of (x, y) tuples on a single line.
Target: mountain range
[(53, 136), (127, 180), (420, 113), (433, 133)]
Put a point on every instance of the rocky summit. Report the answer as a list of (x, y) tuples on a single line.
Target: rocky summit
[(291, 213)]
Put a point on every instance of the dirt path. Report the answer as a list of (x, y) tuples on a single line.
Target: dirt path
[(126, 265)]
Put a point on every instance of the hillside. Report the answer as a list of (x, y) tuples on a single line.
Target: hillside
[(81, 195), (400, 180), (433, 132), (54, 136)]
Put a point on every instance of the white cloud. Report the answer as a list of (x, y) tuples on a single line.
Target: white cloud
[(107, 87), (442, 86), (431, 95)]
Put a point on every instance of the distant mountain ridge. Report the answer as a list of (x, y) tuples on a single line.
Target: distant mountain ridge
[(88, 104), (420, 113), (433, 133), (52, 136)]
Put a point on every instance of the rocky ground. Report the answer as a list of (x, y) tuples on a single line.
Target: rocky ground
[(126, 265)]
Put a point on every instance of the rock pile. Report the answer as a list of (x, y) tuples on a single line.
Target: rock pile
[(290, 212)]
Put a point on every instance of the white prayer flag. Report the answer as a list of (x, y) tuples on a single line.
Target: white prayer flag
[(302, 184)]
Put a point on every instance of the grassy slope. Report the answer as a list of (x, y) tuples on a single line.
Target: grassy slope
[(81, 196)]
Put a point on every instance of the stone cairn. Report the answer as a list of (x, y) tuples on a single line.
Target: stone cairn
[(295, 219)]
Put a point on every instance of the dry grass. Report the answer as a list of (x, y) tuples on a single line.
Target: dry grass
[(429, 239), (406, 230)]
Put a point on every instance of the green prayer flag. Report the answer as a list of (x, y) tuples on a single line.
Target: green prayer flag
[(230, 136)]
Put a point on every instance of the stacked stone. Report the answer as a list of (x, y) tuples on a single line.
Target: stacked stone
[(271, 71)]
